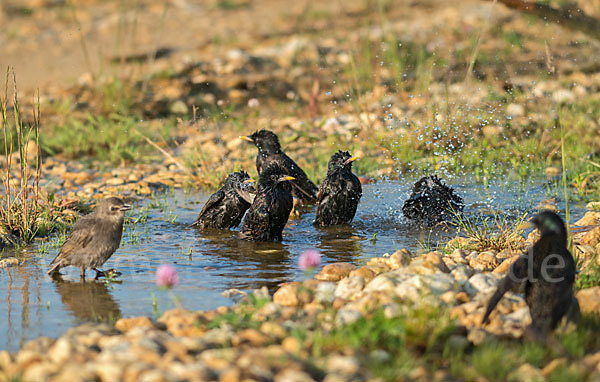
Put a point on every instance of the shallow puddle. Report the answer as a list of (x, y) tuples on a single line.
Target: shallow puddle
[(209, 263)]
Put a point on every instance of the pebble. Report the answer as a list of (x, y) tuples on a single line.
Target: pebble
[(335, 271)]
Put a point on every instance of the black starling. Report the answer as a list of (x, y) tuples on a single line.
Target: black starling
[(226, 207), (269, 151), (95, 237), (431, 201), (547, 272), (339, 193), (271, 207)]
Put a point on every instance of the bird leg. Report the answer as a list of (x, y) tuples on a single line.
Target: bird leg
[(82, 274)]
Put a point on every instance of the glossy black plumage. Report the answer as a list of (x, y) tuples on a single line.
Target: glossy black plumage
[(269, 151), (95, 237), (431, 201), (226, 207), (547, 272), (339, 193), (271, 208)]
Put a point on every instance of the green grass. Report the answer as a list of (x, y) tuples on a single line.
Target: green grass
[(113, 138)]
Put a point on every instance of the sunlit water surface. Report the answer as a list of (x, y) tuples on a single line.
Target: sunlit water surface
[(210, 263)]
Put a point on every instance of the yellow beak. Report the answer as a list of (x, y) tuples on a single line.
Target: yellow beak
[(248, 181), (351, 160), (245, 138), (287, 177)]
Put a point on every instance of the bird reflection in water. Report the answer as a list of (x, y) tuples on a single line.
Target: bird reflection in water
[(256, 264), (88, 301)]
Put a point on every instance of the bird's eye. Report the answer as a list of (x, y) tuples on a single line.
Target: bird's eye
[(113, 208)]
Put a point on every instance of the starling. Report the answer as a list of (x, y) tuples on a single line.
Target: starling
[(269, 151), (271, 207), (226, 207), (431, 201), (339, 193), (95, 237), (547, 272)]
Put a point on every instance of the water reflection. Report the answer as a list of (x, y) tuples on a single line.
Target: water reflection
[(88, 301), (246, 264)]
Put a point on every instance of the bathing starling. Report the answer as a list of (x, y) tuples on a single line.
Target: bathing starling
[(226, 207), (269, 151), (271, 207), (95, 237), (339, 193), (431, 201), (547, 272)]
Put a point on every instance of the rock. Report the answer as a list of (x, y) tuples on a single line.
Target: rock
[(291, 375), (459, 255), (8, 240), (181, 322), (435, 258), (178, 107), (563, 96), (252, 337), (481, 283), (326, 292), (335, 271), (9, 262), (462, 273), (273, 329), (593, 206), (590, 218), (287, 295), (399, 259), (503, 267), (61, 351), (346, 365), (589, 300), (515, 110), (291, 345), (477, 336), (485, 261), (527, 373), (591, 237), (125, 324), (365, 272), (346, 316), (114, 181), (349, 287)]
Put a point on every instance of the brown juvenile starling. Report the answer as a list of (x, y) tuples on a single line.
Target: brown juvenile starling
[(269, 151), (547, 272), (95, 237), (339, 193), (271, 208)]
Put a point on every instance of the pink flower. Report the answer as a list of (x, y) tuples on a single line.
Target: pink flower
[(309, 259), (166, 276)]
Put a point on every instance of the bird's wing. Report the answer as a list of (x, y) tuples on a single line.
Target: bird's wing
[(215, 198), (304, 185), (248, 193), (517, 275), (323, 196), (257, 219), (80, 237)]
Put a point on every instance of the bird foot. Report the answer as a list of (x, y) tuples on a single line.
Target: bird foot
[(108, 274)]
